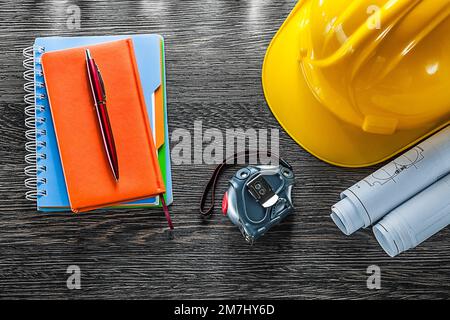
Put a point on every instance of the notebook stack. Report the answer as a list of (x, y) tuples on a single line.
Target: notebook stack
[(68, 164)]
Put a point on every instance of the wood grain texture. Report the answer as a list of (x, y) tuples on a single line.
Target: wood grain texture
[(214, 53)]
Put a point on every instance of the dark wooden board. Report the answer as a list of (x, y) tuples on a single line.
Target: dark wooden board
[(214, 53)]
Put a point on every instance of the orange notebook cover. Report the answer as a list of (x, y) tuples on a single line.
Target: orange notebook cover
[(90, 183)]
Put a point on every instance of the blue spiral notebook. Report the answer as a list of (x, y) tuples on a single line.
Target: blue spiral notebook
[(50, 188)]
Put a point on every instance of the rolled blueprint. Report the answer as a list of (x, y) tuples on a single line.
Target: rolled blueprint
[(371, 199), (416, 220)]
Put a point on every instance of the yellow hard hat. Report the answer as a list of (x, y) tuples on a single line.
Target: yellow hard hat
[(356, 82)]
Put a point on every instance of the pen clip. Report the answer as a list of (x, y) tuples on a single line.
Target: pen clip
[(102, 85)]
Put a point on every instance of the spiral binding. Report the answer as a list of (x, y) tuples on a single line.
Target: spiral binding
[(33, 110)]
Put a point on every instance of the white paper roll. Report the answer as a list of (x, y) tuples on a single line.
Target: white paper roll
[(371, 199), (416, 220)]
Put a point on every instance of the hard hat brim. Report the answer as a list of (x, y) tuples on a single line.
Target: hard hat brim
[(310, 123)]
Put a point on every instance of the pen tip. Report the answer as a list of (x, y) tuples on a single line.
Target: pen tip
[(88, 54)]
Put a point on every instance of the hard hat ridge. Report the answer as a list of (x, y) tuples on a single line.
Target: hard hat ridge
[(355, 82)]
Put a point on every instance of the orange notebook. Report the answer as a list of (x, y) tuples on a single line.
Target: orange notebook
[(90, 184)]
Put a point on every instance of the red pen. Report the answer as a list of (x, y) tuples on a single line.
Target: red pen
[(99, 94)]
